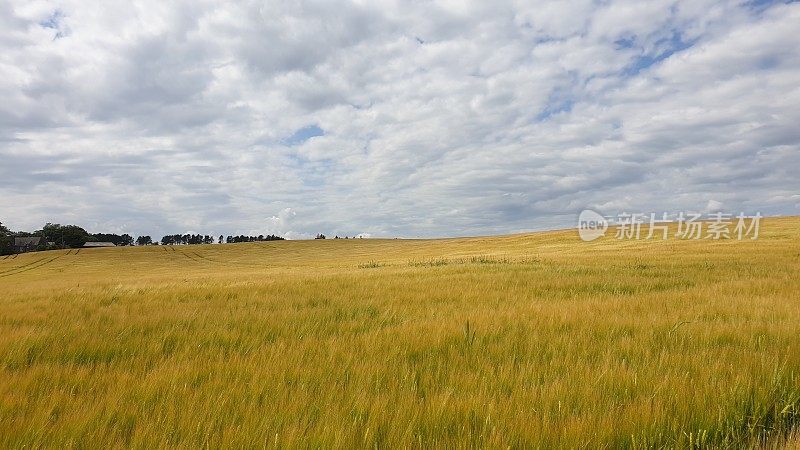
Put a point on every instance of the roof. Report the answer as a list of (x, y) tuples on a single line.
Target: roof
[(26, 241), (99, 244)]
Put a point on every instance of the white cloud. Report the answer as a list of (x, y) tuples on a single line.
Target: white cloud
[(439, 118)]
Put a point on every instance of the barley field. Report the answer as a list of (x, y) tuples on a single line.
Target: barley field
[(527, 341)]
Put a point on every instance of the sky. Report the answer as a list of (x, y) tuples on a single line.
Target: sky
[(393, 119)]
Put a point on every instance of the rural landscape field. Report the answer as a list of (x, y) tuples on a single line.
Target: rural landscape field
[(525, 341)]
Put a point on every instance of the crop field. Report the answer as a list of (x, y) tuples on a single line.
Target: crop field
[(527, 341)]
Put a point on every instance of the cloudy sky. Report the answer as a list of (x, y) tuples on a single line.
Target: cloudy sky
[(393, 118)]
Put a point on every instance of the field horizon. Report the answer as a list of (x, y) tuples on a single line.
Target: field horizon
[(530, 340)]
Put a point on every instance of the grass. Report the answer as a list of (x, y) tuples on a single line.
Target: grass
[(533, 340)]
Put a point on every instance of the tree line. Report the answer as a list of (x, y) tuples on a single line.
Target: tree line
[(259, 238), (191, 239), (186, 239), (57, 236)]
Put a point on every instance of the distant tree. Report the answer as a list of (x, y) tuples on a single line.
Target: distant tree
[(320, 236), (193, 239), (51, 232), (73, 236), (116, 239), (144, 240), (62, 236), (6, 241)]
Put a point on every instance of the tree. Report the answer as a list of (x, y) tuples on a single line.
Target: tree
[(73, 236), (64, 236), (116, 239), (144, 240), (6, 240), (51, 232), (320, 236), (194, 239)]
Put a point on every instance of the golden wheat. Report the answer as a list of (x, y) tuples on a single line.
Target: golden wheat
[(533, 340)]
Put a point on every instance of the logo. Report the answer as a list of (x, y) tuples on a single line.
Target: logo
[(591, 225)]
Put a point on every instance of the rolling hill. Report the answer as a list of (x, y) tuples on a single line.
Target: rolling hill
[(530, 340)]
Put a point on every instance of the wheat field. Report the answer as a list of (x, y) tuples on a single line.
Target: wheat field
[(527, 341)]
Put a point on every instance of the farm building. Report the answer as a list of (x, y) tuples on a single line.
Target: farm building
[(98, 244), (26, 244)]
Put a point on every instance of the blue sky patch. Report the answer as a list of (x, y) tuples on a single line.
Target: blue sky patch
[(761, 5), (623, 43), (304, 134), (667, 48), (54, 23)]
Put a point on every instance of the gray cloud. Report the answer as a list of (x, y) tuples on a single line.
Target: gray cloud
[(434, 118)]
